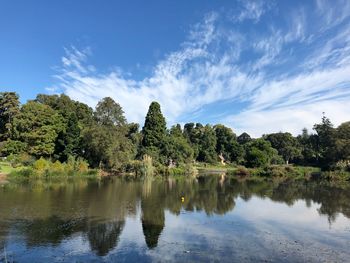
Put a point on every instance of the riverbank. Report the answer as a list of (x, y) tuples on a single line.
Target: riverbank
[(76, 168), (3, 177), (278, 172)]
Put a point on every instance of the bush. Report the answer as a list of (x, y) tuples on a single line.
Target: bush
[(13, 159), (41, 165), (275, 171), (242, 171), (25, 159), (26, 172), (57, 167), (147, 168), (342, 166), (176, 171), (81, 166)]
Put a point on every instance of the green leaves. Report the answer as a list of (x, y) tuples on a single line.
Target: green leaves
[(109, 113), (9, 108), (38, 125), (154, 134), (286, 145), (259, 153)]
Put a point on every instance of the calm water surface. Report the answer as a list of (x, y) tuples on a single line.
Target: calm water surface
[(219, 219)]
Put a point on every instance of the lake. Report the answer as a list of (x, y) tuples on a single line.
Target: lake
[(212, 218)]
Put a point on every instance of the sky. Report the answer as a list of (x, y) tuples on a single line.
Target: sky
[(255, 66)]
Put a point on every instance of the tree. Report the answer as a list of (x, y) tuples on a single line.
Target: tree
[(106, 142), (9, 109), (207, 145), (134, 135), (76, 116), (226, 143), (244, 138), (38, 125), (68, 140), (259, 153), (286, 145), (326, 142), (308, 144), (66, 106), (154, 132), (177, 147), (343, 141), (109, 113), (192, 133)]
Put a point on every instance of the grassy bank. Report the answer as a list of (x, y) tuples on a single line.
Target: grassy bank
[(45, 168), (6, 168), (283, 172)]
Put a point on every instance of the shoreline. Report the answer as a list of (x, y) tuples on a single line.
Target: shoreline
[(3, 177)]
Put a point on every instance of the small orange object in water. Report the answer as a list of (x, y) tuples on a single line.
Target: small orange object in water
[(182, 199)]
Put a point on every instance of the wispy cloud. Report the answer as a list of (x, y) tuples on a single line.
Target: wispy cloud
[(285, 75), (252, 10)]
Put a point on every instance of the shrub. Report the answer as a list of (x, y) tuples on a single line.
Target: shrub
[(147, 165), (190, 169), (26, 159), (13, 159), (176, 171), (81, 165), (242, 171), (57, 167), (26, 172), (343, 165), (41, 165)]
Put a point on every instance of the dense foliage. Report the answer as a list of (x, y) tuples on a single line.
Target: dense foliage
[(58, 128)]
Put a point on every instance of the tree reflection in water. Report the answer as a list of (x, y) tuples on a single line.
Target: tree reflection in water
[(103, 237), (46, 213)]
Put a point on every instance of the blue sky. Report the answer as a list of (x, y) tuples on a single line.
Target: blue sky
[(256, 66)]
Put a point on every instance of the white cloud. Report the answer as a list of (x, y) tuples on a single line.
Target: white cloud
[(281, 86), (289, 119), (251, 10)]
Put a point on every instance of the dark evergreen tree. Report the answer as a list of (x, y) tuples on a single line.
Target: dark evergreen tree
[(9, 108), (68, 140), (326, 143), (244, 138), (154, 133)]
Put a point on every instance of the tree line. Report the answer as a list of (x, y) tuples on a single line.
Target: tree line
[(59, 128)]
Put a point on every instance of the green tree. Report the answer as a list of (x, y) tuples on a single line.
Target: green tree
[(106, 142), (154, 133), (226, 144), (38, 125), (286, 145), (66, 106), (192, 133), (326, 142), (68, 140), (109, 113), (259, 153), (309, 145), (135, 136), (343, 141), (177, 147), (76, 116), (244, 138), (9, 109), (207, 145)]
